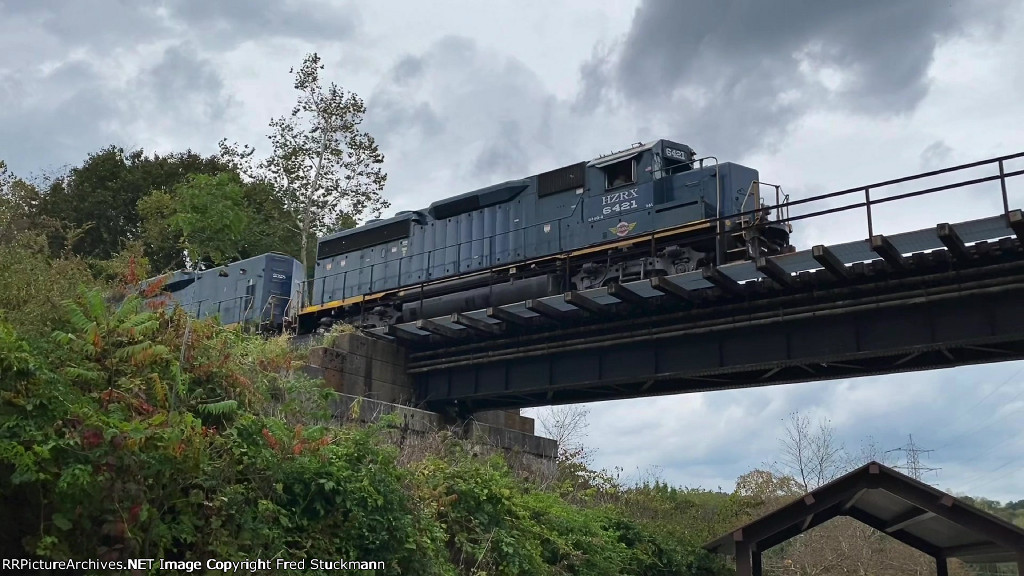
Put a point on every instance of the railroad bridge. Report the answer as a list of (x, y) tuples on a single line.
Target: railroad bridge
[(938, 297)]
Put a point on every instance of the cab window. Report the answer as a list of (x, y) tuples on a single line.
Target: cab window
[(620, 173)]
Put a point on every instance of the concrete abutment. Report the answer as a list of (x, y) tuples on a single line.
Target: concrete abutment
[(371, 380)]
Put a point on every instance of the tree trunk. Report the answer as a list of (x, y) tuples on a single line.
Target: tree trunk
[(312, 191)]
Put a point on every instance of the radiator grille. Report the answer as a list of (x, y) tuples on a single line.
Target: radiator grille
[(561, 179)]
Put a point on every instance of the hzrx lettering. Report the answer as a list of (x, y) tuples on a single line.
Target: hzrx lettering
[(619, 197)]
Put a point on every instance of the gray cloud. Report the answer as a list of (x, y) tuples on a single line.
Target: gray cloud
[(101, 26), (465, 114), (76, 76), (937, 155), (105, 26), (53, 118), (183, 84), (59, 116), (739, 73), (248, 20), (509, 155)]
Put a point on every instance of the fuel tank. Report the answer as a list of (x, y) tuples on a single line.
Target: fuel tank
[(484, 297)]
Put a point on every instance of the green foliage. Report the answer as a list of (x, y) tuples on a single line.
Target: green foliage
[(498, 525), (691, 516), (32, 286), (19, 205), (151, 435), (125, 270), (119, 469), (212, 216), (16, 360), (158, 231), (1012, 512), (218, 219), (101, 196)]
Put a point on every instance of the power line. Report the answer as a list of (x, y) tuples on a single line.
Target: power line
[(992, 477), (979, 455), (985, 423), (993, 391)]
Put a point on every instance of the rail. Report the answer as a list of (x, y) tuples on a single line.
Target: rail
[(723, 224)]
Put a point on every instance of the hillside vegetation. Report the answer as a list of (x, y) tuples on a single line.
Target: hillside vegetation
[(129, 433)]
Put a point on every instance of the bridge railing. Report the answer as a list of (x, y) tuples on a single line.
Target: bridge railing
[(862, 195)]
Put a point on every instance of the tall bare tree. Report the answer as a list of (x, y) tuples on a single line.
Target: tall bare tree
[(327, 168), (566, 424), (811, 454)]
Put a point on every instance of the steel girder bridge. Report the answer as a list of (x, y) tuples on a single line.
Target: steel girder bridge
[(945, 296)]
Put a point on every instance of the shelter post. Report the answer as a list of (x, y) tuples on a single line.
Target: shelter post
[(755, 562), (744, 566), (941, 566)]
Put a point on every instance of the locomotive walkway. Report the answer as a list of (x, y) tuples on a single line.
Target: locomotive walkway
[(940, 297)]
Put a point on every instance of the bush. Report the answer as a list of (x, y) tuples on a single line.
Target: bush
[(130, 433)]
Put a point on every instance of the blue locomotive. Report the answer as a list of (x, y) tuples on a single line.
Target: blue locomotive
[(262, 291), (653, 209)]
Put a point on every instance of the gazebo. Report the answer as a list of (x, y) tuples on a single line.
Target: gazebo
[(906, 509)]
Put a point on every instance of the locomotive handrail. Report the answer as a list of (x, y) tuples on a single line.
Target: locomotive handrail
[(199, 304), (273, 297), (762, 209)]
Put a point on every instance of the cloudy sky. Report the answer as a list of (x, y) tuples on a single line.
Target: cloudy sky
[(817, 96)]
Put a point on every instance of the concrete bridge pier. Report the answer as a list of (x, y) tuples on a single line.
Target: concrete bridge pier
[(373, 373)]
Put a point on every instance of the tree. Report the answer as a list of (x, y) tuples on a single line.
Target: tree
[(327, 169), (272, 226), (101, 197), (212, 216), (158, 232), (813, 457), (217, 219), (19, 203), (769, 490), (566, 424)]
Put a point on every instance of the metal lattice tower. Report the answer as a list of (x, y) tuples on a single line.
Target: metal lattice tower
[(912, 459)]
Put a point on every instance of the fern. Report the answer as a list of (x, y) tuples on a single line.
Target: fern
[(94, 303), (77, 318), (223, 408), (87, 375), (159, 389)]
